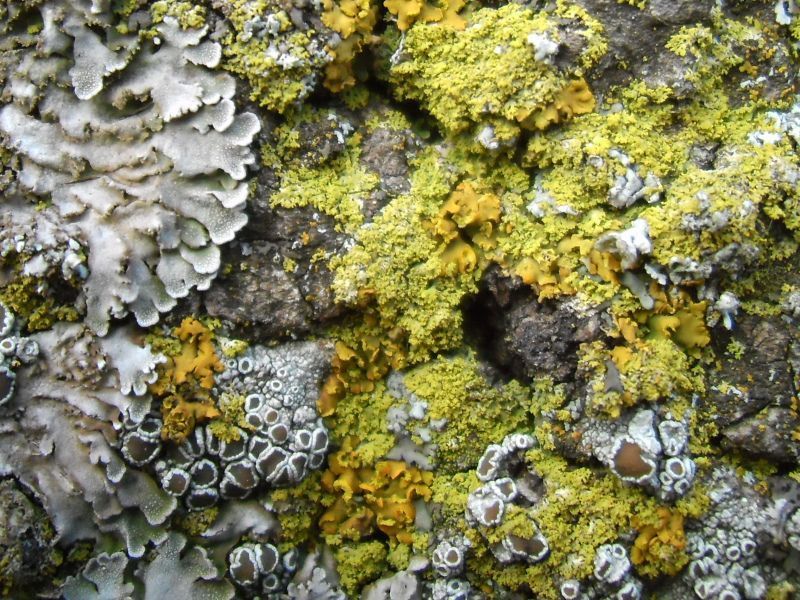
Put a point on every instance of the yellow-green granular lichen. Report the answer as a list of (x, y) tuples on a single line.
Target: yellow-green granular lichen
[(298, 509), (281, 152), (382, 117), (359, 563), (125, 8), (734, 192), (546, 396), (581, 511), (692, 211), (449, 497), (338, 188), (647, 371), (399, 556), (394, 267), (29, 299), (735, 349), (196, 523), (230, 347), (356, 97), (783, 590), (492, 63), (289, 265), (188, 14), (766, 292), (276, 85), (475, 413), (227, 427), (364, 417), (161, 341), (711, 51)]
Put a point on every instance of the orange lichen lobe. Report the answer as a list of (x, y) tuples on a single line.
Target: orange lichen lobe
[(467, 226), (198, 358), (347, 17), (180, 416), (551, 273), (410, 11), (354, 21), (677, 317), (185, 380), (356, 367), (574, 99), (659, 548), (378, 496)]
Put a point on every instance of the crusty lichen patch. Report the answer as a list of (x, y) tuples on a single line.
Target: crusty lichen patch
[(581, 511), (338, 188), (475, 413), (492, 71), (394, 266), (279, 79)]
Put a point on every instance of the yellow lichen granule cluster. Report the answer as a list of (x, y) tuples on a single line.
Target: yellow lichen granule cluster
[(457, 75)]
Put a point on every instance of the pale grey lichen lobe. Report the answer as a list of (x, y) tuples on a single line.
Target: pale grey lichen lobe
[(136, 142)]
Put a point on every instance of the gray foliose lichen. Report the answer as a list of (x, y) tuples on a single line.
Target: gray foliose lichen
[(138, 146), (399, 299)]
